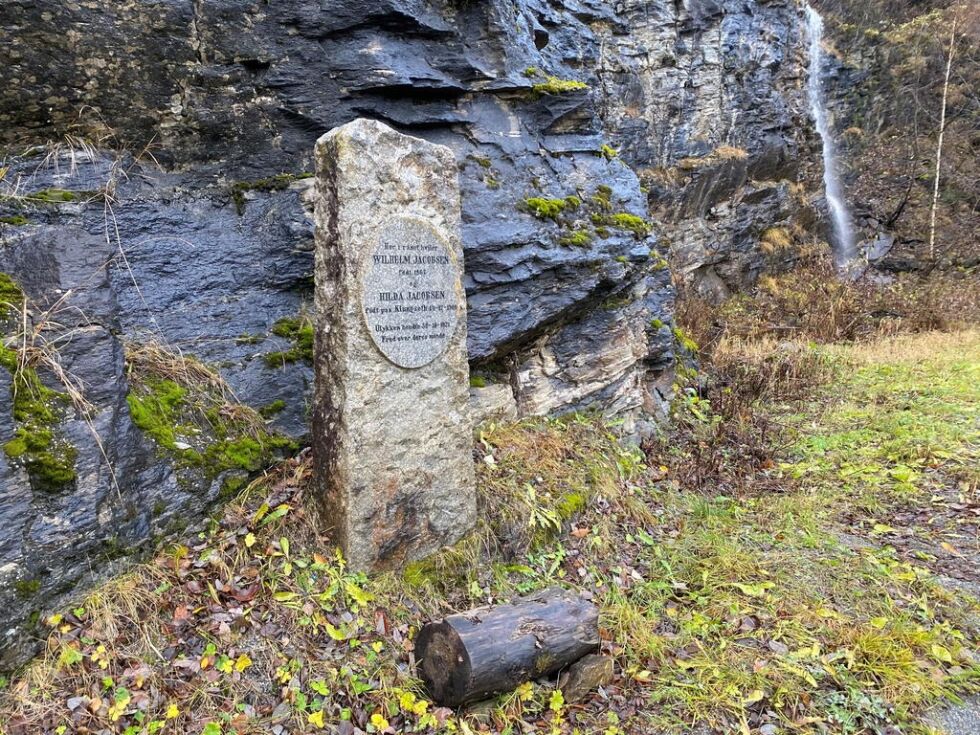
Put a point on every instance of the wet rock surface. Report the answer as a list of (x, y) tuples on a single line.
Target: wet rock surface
[(199, 119)]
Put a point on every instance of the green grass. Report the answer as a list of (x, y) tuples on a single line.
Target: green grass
[(902, 425)]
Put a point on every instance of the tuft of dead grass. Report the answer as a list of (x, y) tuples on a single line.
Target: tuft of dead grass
[(775, 239)]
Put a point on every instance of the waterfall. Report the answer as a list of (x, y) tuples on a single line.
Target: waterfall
[(843, 244)]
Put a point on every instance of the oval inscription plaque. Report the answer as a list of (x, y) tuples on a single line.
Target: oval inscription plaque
[(410, 292)]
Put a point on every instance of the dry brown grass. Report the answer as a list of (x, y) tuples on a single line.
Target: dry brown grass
[(813, 303), (730, 153), (775, 239), (167, 363)]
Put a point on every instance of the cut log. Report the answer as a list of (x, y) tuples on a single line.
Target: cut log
[(488, 650)]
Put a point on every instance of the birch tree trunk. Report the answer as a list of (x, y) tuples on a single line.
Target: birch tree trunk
[(939, 144)]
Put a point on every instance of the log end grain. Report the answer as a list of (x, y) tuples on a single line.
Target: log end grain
[(444, 664)]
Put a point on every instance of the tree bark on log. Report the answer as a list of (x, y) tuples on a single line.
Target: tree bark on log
[(484, 651)]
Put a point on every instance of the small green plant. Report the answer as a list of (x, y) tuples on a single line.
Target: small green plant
[(478, 381)]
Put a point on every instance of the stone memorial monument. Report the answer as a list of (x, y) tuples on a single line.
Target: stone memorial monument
[(392, 433)]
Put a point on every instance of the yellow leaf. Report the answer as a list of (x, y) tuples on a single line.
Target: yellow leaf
[(242, 663), (172, 712), (250, 540), (950, 548), (379, 722), (334, 633), (54, 620), (754, 696), (525, 691), (377, 646), (316, 718), (420, 707), (941, 653)]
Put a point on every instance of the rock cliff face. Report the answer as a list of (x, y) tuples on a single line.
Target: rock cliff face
[(156, 190)]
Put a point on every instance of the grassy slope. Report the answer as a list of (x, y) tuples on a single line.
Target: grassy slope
[(728, 597)]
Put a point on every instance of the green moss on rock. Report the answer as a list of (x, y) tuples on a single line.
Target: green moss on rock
[(11, 296), (157, 411), (299, 331), (555, 85), (545, 208), (17, 220), (48, 459), (273, 183), (196, 425), (25, 589), (271, 409), (576, 238)]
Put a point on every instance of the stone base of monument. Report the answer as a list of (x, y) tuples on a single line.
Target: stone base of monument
[(473, 655)]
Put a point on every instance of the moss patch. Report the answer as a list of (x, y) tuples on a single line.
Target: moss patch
[(273, 183), (195, 423), (545, 208), (16, 220), (271, 409), (25, 589), (576, 238), (555, 85), (623, 221), (11, 296), (299, 331), (571, 212), (36, 445), (608, 152)]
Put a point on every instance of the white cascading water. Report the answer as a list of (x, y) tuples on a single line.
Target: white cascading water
[(844, 246)]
